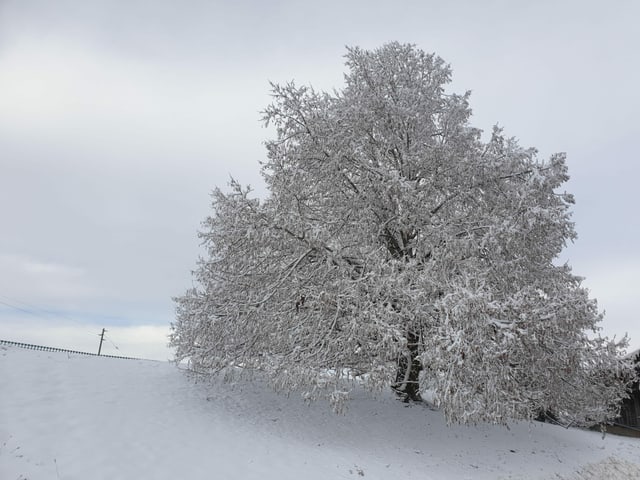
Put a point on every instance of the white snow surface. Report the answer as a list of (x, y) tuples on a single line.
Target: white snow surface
[(73, 417)]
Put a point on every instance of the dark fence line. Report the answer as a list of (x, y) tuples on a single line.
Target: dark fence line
[(53, 349)]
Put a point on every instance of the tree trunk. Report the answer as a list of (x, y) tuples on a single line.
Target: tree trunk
[(407, 384)]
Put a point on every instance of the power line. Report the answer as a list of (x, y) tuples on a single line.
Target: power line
[(37, 311), (111, 342), (20, 309), (34, 310)]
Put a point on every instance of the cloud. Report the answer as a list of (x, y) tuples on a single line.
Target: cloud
[(44, 282), (118, 108)]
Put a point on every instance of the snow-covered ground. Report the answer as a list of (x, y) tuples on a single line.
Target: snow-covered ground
[(79, 418)]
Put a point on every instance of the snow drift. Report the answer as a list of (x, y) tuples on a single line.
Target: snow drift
[(76, 418)]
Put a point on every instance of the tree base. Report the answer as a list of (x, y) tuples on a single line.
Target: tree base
[(546, 416), (405, 395)]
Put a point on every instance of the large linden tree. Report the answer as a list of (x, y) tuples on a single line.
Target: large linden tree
[(397, 248)]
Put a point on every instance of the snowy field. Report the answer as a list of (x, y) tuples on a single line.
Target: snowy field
[(79, 418)]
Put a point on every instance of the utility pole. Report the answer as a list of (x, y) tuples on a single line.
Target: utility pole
[(101, 340)]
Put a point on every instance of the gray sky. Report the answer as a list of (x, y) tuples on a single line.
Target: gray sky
[(117, 118)]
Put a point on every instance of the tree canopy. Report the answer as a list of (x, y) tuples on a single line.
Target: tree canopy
[(398, 248)]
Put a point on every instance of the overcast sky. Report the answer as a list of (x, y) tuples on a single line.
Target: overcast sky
[(117, 118)]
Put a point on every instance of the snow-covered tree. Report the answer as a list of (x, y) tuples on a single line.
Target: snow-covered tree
[(399, 248)]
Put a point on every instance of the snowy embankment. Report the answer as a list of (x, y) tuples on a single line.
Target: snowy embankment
[(77, 418)]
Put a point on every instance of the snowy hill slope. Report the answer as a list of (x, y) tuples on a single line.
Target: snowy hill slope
[(77, 418)]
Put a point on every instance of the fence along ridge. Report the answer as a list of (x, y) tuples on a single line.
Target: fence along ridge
[(43, 348)]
